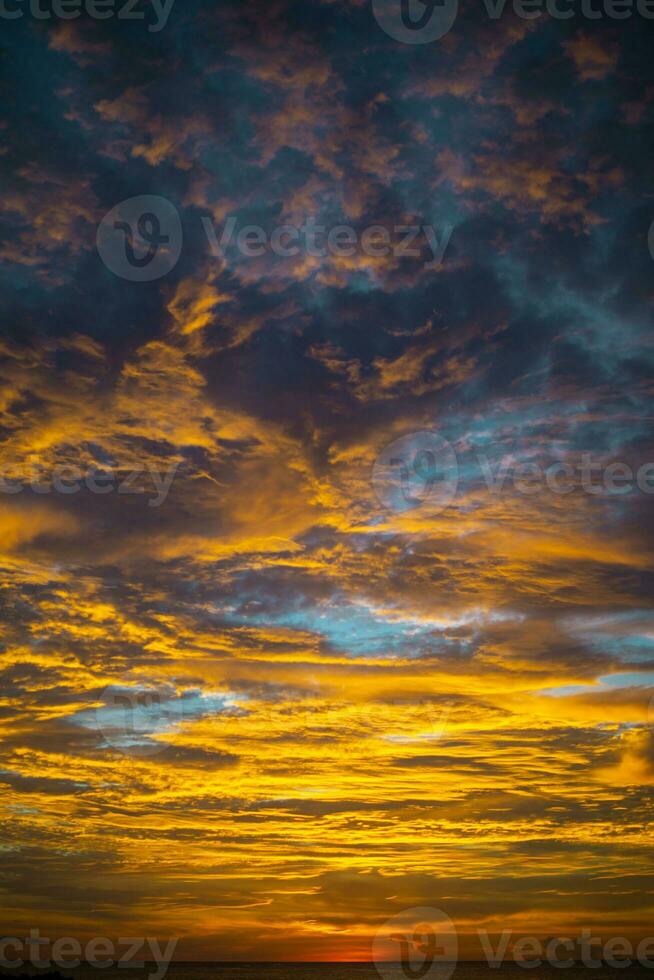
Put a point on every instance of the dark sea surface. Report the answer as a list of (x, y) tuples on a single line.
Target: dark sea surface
[(343, 971)]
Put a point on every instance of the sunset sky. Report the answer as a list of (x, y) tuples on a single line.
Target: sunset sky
[(363, 707)]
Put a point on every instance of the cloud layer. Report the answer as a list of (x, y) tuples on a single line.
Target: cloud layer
[(342, 710)]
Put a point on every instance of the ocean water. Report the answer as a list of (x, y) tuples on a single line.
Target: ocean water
[(343, 971)]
